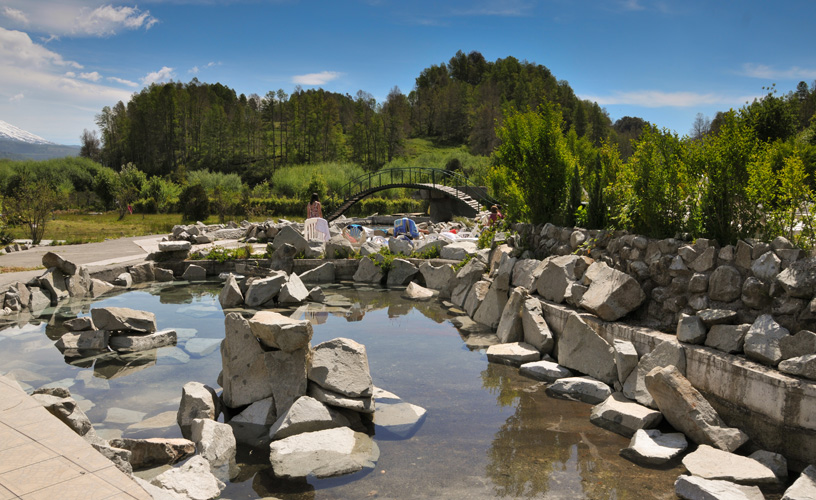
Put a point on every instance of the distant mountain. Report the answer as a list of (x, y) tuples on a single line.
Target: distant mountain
[(17, 144)]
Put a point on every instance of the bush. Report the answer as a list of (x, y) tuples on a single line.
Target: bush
[(194, 203)]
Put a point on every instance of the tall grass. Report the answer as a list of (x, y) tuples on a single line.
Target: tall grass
[(293, 181)]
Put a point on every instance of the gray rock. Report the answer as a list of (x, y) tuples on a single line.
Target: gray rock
[(534, 327), (698, 488), (438, 278), (458, 250), (547, 371), (214, 440), (53, 280), (197, 401), (51, 259), (153, 452), (66, 409), (124, 280), (774, 461), (293, 291), (395, 417), (123, 319), (264, 290), (526, 272), (399, 246), (651, 447), (368, 272), (504, 272), (713, 317), (143, 273), (510, 328), (799, 279), (98, 288), (762, 340), (323, 453), (514, 353), (362, 405), (626, 358), (490, 310), (705, 261), (612, 294), (137, 343), (338, 247), (804, 488), (690, 329), (711, 463), (341, 365), (316, 295), (193, 480), (194, 273), (401, 273), (698, 283), (163, 275), (556, 275), (580, 348), (803, 343), (288, 235), (476, 297), (585, 389), (667, 353), (245, 376), (324, 273), (802, 366), (725, 284), (417, 292), (283, 258), (175, 246), (727, 338), (688, 411), (96, 340), (280, 332), (622, 416), (121, 458), (306, 415), (766, 267), (82, 324), (231, 295)]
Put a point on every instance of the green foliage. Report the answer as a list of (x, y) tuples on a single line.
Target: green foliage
[(386, 260), (159, 195), (194, 203), (503, 183), (533, 148), (431, 253), (128, 185), (221, 254), (30, 202), (459, 265)]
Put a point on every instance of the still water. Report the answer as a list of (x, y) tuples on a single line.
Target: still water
[(488, 432)]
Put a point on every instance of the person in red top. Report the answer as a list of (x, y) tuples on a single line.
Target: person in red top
[(314, 209), (494, 216)]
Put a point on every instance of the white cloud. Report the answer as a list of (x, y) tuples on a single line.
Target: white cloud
[(632, 5), (122, 81), (321, 78), (92, 77), (77, 17), (16, 48), (769, 73), (17, 97), (195, 69), (70, 74), (161, 75), (661, 99), (15, 15)]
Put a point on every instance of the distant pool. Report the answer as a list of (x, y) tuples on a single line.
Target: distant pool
[(488, 432)]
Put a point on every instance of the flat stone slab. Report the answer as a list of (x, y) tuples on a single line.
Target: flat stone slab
[(710, 463), (697, 488), (804, 488), (136, 343), (547, 371), (325, 453), (623, 416), (513, 353), (652, 447), (585, 389)]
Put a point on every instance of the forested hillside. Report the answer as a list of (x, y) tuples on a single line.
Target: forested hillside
[(171, 128)]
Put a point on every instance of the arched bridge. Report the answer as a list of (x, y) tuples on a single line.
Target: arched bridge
[(453, 185)]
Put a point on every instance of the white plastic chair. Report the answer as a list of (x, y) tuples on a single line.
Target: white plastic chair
[(316, 229)]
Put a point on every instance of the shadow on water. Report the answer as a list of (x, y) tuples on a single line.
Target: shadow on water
[(488, 432)]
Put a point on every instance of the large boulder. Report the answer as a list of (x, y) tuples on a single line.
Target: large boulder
[(799, 279), (193, 480), (197, 401), (287, 376), (698, 488), (368, 271), (341, 365), (510, 328), (690, 329), (557, 273), (620, 415), (94, 340), (417, 292), (584, 389), (401, 273), (214, 440), (727, 338), (504, 273), (338, 247), (475, 297), (324, 273), (611, 294), (306, 415), (802, 366), (395, 417), (65, 408), (288, 235), (325, 453), (490, 310), (626, 358), (438, 278), (762, 340), (281, 332), (526, 272), (293, 291), (725, 284), (804, 488), (245, 376), (399, 246), (230, 295), (651, 447), (534, 327), (153, 452), (51, 259), (688, 411), (263, 291), (364, 404), (711, 463), (136, 343), (123, 318), (766, 267), (513, 353), (458, 250), (667, 353), (548, 371), (580, 348)]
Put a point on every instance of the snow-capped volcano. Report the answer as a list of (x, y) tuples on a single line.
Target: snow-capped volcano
[(12, 133)]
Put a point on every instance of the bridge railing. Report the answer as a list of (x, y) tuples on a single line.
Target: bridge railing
[(416, 176)]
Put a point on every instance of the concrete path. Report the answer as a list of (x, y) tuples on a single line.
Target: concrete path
[(41, 458)]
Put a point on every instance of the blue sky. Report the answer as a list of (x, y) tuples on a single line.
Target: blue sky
[(61, 61)]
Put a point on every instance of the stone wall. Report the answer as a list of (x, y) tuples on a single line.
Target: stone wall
[(751, 277)]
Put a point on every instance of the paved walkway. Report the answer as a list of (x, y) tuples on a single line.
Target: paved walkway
[(41, 458)]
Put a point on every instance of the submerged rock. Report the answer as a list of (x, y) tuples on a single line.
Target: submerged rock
[(325, 453), (652, 447)]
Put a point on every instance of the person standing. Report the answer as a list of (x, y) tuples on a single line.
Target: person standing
[(314, 209)]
